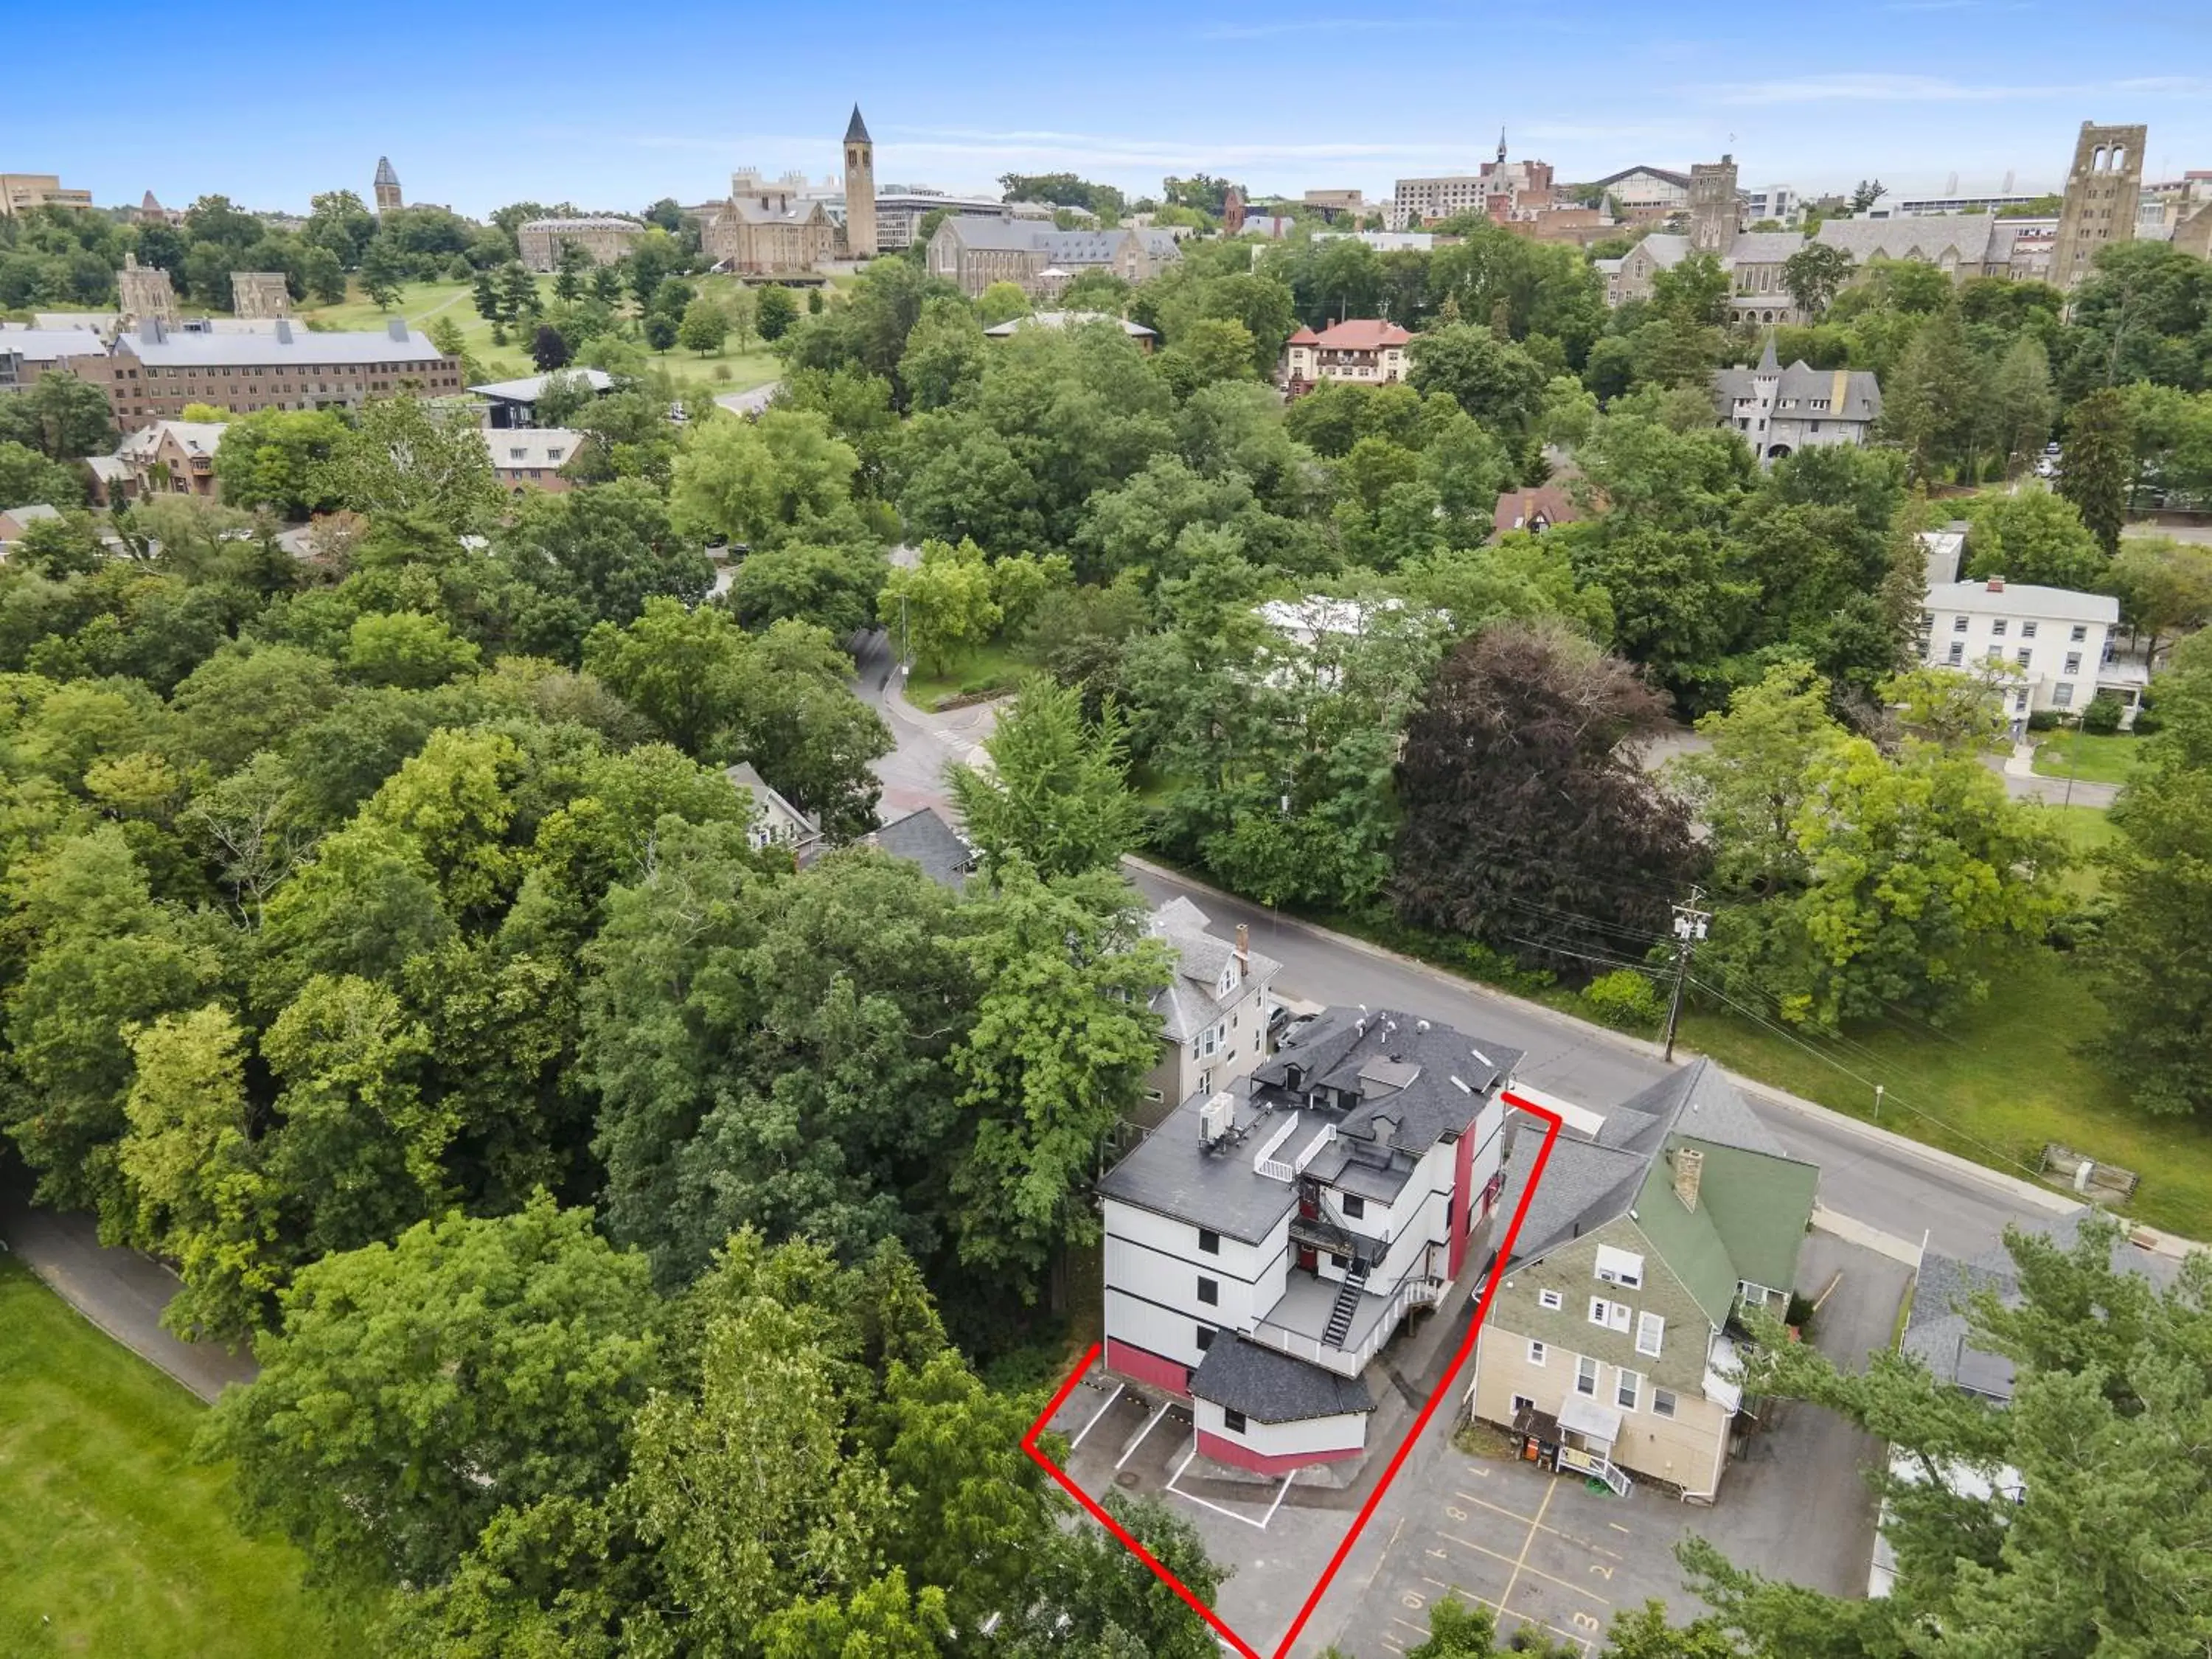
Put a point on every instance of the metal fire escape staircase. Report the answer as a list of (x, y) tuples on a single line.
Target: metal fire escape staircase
[(1347, 1304)]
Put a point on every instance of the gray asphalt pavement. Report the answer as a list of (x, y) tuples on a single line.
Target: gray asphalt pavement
[(121, 1292), (1882, 1180), (912, 774)]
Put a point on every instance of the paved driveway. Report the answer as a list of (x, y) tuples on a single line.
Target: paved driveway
[(1550, 1551)]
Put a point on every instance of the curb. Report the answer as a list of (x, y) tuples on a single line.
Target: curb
[(2027, 1192)]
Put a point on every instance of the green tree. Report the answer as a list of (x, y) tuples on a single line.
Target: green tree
[(414, 1389), (1056, 795), (1494, 380), (882, 1619), (407, 648), (2165, 587), (1851, 881), (272, 458), (776, 312), (2021, 403), (705, 326), (203, 1199), (2034, 536), (2153, 978), (29, 479), (1929, 401), (2043, 1529), (383, 271), (1814, 275), (1062, 1039), (1001, 302), (2097, 470), (941, 607), (1103, 1603), (833, 587), (60, 416), (407, 456), (943, 362), (783, 477)]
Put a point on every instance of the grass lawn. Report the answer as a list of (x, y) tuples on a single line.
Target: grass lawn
[(2086, 755), (994, 666), (114, 1543), (1995, 1086), (2087, 829), (424, 303)]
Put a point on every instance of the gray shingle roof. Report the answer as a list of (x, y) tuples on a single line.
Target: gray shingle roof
[(1588, 1183), (1061, 247), (2024, 599), (856, 130), (385, 175), (1922, 238), (595, 222), (1269, 1387), (923, 837), (1765, 247), (1338, 1050), (1188, 1004), (1801, 383)]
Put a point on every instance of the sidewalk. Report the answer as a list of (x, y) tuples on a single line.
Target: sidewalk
[(2024, 782)]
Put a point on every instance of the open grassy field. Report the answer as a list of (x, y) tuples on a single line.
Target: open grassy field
[(112, 1541), (424, 303), (1994, 1086), (2089, 829), (2082, 755)]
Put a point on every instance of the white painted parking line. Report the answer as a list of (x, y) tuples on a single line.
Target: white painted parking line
[(1514, 1515), (1193, 1497), (1529, 1541), (1522, 1566), (1130, 1450), (1100, 1412)]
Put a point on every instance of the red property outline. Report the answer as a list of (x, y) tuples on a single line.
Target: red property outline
[(1367, 1509)]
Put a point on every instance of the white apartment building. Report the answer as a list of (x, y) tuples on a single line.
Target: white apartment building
[(1265, 1242), (2056, 644), (1213, 1013)]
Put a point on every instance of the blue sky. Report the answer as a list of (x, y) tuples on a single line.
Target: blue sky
[(613, 106)]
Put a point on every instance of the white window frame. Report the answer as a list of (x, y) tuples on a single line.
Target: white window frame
[(1600, 1311), (1551, 1301), (1654, 1327), (1628, 1388), (1621, 1268), (1536, 1352), (1663, 1402), (1586, 1370)]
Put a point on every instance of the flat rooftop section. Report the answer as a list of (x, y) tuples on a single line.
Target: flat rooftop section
[(1171, 1173), (1307, 1301)]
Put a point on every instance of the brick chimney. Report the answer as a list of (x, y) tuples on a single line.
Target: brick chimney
[(1244, 951), (1689, 1172), (1997, 584)]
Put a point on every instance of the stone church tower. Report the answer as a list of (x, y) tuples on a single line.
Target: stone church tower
[(2099, 206), (387, 186), (1715, 216), (860, 189)]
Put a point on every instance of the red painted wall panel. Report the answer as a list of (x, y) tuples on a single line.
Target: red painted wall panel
[(1148, 1367), (1239, 1455)]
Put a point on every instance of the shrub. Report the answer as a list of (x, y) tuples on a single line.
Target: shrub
[(2102, 716), (1624, 999), (2147, 721), (2044, 720)]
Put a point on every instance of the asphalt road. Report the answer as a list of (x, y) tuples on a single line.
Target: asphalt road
[(1881, 1180), (912, 774), (121, 1292)]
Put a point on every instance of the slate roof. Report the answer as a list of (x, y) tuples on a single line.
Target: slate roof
[(1377, 1141), (856, 130), (1269, 1387), (1753, 1198), (1853, 394), (781, 209), (193, 437), (594, 221), (385, 175), (1920, 238), (1403, 1116), (1763, 247), (47, 345), (31, 512), (1060, 248), (1680, 179), (923, 837), (542, 446), (190, 349), (1188, 1004)]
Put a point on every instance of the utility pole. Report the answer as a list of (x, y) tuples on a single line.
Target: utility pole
[(1689, 928)]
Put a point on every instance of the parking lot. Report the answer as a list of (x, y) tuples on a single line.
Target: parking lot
[(1535, 1548)]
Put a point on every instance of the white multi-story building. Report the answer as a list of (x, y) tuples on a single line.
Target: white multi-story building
[(1213, 1013), (1781, 410), (1266, 1242), (2055, 644)]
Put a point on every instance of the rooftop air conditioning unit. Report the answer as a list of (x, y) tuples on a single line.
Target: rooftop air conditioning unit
[(1217, 1119)]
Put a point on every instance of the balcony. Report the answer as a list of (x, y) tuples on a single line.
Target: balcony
[(1297, 1324)]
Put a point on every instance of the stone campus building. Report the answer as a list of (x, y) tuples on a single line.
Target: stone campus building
[(606, 238), (766, 227), (260, 294), (2098, 209)]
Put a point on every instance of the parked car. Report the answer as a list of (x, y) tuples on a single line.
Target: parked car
[(2046, 468)]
